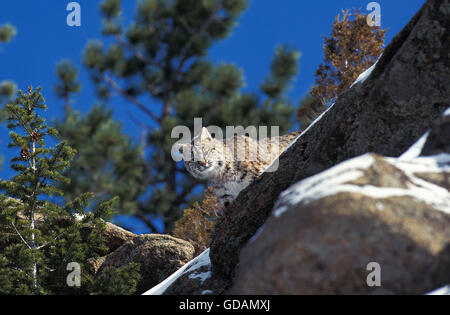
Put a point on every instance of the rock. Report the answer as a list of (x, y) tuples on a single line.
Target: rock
[(96, 263), (195, 283), (325, 230), (439, 138), (159, 256), (407, 90), (116, 236), (194, 278)]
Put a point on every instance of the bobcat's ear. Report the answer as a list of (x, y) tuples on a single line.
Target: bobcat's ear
[(205, 134)]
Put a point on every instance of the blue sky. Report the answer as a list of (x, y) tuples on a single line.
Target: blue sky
[(44, 39)]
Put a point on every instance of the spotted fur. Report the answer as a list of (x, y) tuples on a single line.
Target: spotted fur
[(232, 164)]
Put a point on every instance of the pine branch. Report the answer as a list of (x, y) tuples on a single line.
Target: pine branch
[(42, 246), (20, 235), (130, 98), (140, 56), (185, 57), (141, 215)]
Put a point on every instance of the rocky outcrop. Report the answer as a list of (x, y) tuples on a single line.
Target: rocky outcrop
[(325, 230), (385, 114), (116, 236), (192, 278), (197, 279), (438, 140), (322, 243), (158, 255)]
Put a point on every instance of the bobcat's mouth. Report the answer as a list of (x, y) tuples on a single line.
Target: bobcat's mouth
[(199, 168)]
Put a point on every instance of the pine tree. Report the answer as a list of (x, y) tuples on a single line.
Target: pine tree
[(117, 281), (107, 162), (353, 47), (68, 83), (159, 65), (39, 237)]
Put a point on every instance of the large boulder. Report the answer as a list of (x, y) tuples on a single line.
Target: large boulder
[(158, 255), (438, 139), (193, 278), (116, 236), (386, 113), (325, 230)]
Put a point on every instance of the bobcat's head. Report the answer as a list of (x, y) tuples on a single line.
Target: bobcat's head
[(203, 157)]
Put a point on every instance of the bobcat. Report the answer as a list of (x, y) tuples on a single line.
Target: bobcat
[(232, 164)]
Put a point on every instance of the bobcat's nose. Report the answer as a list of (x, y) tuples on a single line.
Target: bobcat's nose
[(203, 163)]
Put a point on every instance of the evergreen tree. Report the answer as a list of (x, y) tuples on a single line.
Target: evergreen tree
[(107, 162), (67, 75), (117, 281), (353, 47), (39, 237), (158, 64)]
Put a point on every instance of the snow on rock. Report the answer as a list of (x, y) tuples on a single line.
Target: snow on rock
[(323, 184), (255, 236), (363, 76), (335, 180), (415, 150), (268, 169), (447, 112), (202, 276), (442, 291), (190, 267)]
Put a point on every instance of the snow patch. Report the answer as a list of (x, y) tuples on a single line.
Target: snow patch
[(335, 179), (202, 276), (79, 217), (298, 137), (255, 236), (324, 183), (196, 263), (442, 291), (447, 112), (363, 76), (415, 150)]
